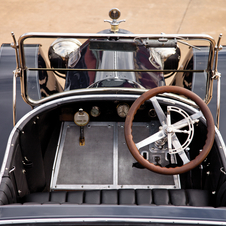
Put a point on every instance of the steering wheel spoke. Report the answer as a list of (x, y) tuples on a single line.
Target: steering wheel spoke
[(151, 139), (180, 131), (159, 111), (169, 142), (177, 145), (169, 130)]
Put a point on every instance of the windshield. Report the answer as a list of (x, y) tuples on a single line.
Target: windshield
[(111, 59), (52, 64)]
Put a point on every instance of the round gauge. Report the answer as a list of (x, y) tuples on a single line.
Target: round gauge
[(122, 110), (152, 113), (95, 111), (114, 14), (81, 118)]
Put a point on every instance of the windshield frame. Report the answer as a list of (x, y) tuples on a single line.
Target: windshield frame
[(133, 37)]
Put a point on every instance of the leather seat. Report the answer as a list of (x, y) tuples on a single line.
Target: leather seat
[(177, 197)]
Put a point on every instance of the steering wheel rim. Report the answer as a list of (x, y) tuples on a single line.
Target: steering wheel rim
[(209, 137)]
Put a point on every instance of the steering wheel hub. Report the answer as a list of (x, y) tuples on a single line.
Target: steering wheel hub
[(169, 130)]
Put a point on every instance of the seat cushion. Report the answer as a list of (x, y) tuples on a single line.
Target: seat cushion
[(177, 197)]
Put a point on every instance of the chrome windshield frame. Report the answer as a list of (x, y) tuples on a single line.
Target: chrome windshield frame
[(212, 44)]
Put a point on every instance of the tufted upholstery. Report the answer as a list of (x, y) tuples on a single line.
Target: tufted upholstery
[(177, 197)]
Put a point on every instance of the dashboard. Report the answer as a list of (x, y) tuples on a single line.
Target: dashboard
[(107, 111)]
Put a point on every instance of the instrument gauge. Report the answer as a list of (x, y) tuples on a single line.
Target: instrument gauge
[(122, 110), (95, 111), (81, 118)]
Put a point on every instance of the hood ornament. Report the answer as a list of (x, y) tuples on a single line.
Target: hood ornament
[(114, 14)]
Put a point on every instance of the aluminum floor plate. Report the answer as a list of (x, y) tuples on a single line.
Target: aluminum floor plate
[(104, 161)]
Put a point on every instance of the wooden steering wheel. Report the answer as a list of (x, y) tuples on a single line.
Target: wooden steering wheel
[(169, 130)]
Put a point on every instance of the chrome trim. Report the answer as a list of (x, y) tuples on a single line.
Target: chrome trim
[(15, 46), (115, 154), (221, 144), (58, 154), (218, 47), (107, 91), (117, 36), (14, 97), (217, 75), (86, 91), (218, 100), (112, 220), (16, 73), (112, 186), (113, 70)]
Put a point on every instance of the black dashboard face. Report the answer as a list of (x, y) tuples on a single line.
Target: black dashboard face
[(109, 111)]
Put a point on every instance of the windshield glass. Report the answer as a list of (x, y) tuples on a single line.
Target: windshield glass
[(55, 65), (105, 60)]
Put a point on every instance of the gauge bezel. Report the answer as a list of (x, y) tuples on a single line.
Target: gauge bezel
[(86, 120), (119, 113), (95, 108)]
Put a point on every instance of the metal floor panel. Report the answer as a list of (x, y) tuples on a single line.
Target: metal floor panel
[(104, 161)]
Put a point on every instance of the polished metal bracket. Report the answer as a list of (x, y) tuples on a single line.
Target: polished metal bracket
[(217, 76), (16, 73)]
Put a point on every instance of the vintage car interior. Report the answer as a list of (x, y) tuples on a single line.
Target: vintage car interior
[(118, 119)]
